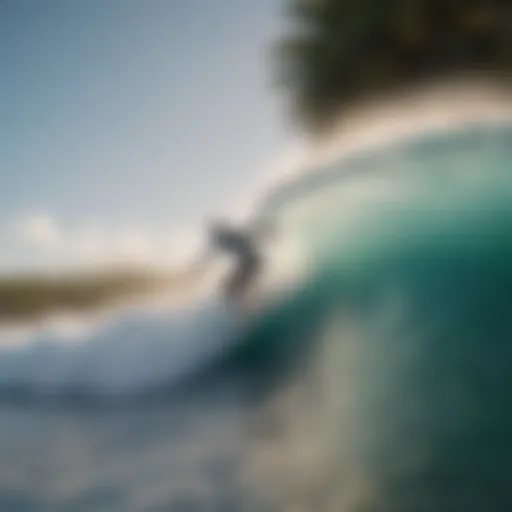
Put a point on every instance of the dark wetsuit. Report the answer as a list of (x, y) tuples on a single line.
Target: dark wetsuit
[(242, 247)]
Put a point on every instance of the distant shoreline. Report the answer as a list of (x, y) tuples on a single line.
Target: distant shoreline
[(31, 298)]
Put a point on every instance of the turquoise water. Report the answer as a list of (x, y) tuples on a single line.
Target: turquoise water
[(382, 383), (409, 287)]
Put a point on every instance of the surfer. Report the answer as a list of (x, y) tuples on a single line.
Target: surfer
[(242, 245)]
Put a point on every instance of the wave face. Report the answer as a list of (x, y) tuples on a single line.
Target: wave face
[(409, 296)]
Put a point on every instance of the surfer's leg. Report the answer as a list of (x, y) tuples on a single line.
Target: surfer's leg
[(239, 281), (236, 283)]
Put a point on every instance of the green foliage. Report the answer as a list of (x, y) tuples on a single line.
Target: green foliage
[(341, 50)]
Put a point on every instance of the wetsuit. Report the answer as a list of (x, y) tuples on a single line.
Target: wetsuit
[(242, 247)]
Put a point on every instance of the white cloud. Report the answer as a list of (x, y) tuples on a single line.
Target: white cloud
[(88, 245), (114, 245), (136, 245), (97, 244), (184, 247), (39, 230)]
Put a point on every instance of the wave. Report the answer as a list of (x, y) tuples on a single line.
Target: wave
[(408, 352), (432, 192), (124, 357), (146, 355)]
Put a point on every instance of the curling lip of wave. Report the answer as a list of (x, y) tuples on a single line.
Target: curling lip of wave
[(431, 110), (359, 162)]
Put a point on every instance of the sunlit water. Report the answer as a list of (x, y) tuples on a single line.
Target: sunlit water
[(381, 383)]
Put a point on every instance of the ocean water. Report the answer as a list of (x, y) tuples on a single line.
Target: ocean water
[(381, 381)]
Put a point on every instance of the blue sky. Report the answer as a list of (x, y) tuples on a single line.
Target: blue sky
[(126, 120)]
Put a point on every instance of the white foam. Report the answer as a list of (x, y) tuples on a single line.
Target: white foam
[(123, 355), (441, 108)]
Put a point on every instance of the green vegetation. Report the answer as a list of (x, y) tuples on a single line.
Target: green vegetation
[(24, 298), (341, 50)]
